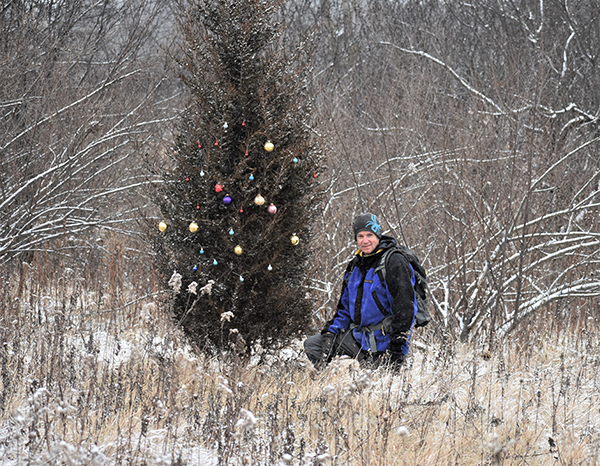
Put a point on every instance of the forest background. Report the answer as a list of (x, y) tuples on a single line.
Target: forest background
[(470, 128)]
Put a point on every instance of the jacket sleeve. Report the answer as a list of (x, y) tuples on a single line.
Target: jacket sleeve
[(400, 281), (342, 319)]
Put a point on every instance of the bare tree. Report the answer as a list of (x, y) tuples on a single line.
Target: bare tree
[(81, 102), (473, 129), (521, 199)]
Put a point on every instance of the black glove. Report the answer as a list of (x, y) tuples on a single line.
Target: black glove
[(396, 359), (327, 340), (390, 360)]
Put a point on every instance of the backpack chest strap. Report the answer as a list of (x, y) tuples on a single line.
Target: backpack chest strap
[(370, 330)]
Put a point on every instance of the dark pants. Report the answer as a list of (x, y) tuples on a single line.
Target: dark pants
[(343, 345)]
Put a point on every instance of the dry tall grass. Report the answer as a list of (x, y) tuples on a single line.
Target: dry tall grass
[(88, 379)]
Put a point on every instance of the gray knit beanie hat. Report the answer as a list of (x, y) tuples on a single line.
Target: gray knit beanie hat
[(367, 222)]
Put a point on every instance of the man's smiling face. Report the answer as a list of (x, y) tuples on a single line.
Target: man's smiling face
[(367, 241)]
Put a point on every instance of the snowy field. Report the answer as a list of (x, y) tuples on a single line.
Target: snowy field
[(86, 382)]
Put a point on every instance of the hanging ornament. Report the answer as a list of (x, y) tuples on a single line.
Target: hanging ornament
[(259, 200), (201, 172), (231, 232), (241, 278), (217, 142), (272, 209), (295, 160), (246, 154), (238, 250), (199, 145), (215, 262), (269, 268), (225, 125), (218, 187), (295, 240), (244, 123), (269, 146), (241, 210), (314, 174), (194, 227), (227, 200), (195, 268), (251, 177), (187, 178), (201, 250), (198, 206), (162, 226)]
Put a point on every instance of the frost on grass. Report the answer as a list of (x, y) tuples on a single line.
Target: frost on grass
[(207, 289), (245, 423), (275, 410), (192, 288), (223, 386), (226, 316), (402, 431), (175, 282)]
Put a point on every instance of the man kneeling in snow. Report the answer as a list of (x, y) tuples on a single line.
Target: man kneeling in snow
[(374, 317)]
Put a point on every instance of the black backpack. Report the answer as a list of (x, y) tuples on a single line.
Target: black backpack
[(422, 318)]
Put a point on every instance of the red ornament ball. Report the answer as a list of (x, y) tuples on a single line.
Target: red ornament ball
[(218, 187)]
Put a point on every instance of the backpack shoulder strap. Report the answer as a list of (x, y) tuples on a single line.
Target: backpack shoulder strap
[(350, 267), (381, 267), (411, 257)]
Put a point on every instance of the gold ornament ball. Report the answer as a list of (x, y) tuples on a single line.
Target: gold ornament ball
[(238, 250), (259, 200), (295, 240), (269, 146), (162, 226), (194, 227)]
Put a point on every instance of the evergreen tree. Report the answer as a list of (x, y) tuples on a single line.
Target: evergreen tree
[(243, 137)]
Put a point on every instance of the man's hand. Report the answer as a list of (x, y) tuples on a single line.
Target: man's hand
[(395, 359), (327, 340), (390, 360)]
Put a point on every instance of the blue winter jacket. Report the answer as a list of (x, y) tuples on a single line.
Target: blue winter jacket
[(365, 301)]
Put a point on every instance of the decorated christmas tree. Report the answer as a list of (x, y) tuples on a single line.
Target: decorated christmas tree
[(238, 204)]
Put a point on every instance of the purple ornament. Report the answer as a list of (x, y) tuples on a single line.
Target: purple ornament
[(272, 209), (227, 200)]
